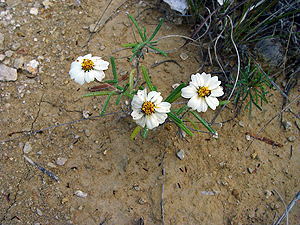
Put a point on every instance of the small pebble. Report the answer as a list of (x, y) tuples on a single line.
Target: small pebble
[(250, 170), (180, 154), (18, 63), (86, 114), (32, 66), (87, 132), (287, 125), (9, 53), (51, 165), (15, 46), (39, 212), (80, 194), (174, 86), (102, 47), (241, 124), (268, 193), (184, 56), (142, 201), (248, 137), (64, 200), (34, 11), (27, 148), (61, 161), (291, 139), (254, 155)]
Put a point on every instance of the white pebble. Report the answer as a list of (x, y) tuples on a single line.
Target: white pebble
[(61, 161), (80, 194), (180, 154)]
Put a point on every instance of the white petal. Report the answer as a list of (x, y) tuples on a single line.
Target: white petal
[(99, 75), (101, 65), (217, 92), (161, 117), (88, 56), (74, 72), (79, 78), (141, 121), (194, 102), (206, 79), (142, 93), (212, 102), (197, 80), (151, 121), (163, 107), (89, 76), (214, 83), (76, 65), (189, 92), (137, 114), (203, 106), (137, 102), (153, 96)]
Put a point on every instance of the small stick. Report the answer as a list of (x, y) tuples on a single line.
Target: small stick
[(106, 85), (288, 209), (266, 140), (162, 191), (41, 168), (170, 60)]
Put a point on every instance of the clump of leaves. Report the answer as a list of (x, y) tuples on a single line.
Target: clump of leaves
[(251, 87), (140, 47)]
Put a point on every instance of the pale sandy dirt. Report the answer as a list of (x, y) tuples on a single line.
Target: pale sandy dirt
[(122, 178)]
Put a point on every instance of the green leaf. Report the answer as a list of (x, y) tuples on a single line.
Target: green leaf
[(176, 119), (114, 69), (147, 79), (130, 45), (185, 129), (135, 132), (137, 27), (211, 130), (156, 30), (158, 50), (181, 110), (192, 122), (145, 132), (107, 101), (119, 99), (175, 94), (98, 93), (138, 47)]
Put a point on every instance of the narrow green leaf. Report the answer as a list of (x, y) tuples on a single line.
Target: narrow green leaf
[(174, 95), (145, 33), (137, 27), (185, 129), (110, 81), (211, 130), (147, 79), (119, 98), (107, 101), (135, 132), (98, 93), (130, 45), (114, 69), (138, 47), (158, 50), (181, 110), (132, 57), (192, 122), (156, 29), (174, 118), (131, 81), (145, 132), (223, 102)]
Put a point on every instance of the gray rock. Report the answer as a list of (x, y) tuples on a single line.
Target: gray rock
[(291, 139), (1, 41), (15, 46), (7, 73), (34, 11), (9, 53), (61, 161), (180, 154), (27, 148), (2, 57), (19, 63), (39, 212), (32, 67), (287, 125)]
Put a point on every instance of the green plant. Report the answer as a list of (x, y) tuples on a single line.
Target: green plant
[(252, 84), (139, 47)]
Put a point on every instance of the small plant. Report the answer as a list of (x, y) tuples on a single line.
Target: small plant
[(140, 47), (252, 83)]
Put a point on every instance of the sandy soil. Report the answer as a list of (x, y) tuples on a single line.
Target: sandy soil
[(123, 179)]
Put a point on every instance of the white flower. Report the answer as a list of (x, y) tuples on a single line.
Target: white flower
[(202, 91), (149, 109), (87, 68)]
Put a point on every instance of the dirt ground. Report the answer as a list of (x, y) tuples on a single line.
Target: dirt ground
[(212, 184)]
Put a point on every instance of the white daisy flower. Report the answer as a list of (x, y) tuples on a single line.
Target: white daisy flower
[(203, 91), (148, 109), (87, 68)]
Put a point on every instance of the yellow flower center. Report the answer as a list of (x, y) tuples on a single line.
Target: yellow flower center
[(203, 91), (148, 108), (87, 65)]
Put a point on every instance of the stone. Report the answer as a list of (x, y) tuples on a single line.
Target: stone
[(248, 137), (7, 73), (47, 4), (80, 194), (184, 56), (27, 148), (19, 63), (92, 28), (39, 212), (180, 154), (287, 125), (9, 53), (15, 46), (32, 67), (34, 11), (291, 139), (1, 41), (61, 161), (142, 201), (87, 132), (102, 47), (241, 124), (2, 57)]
